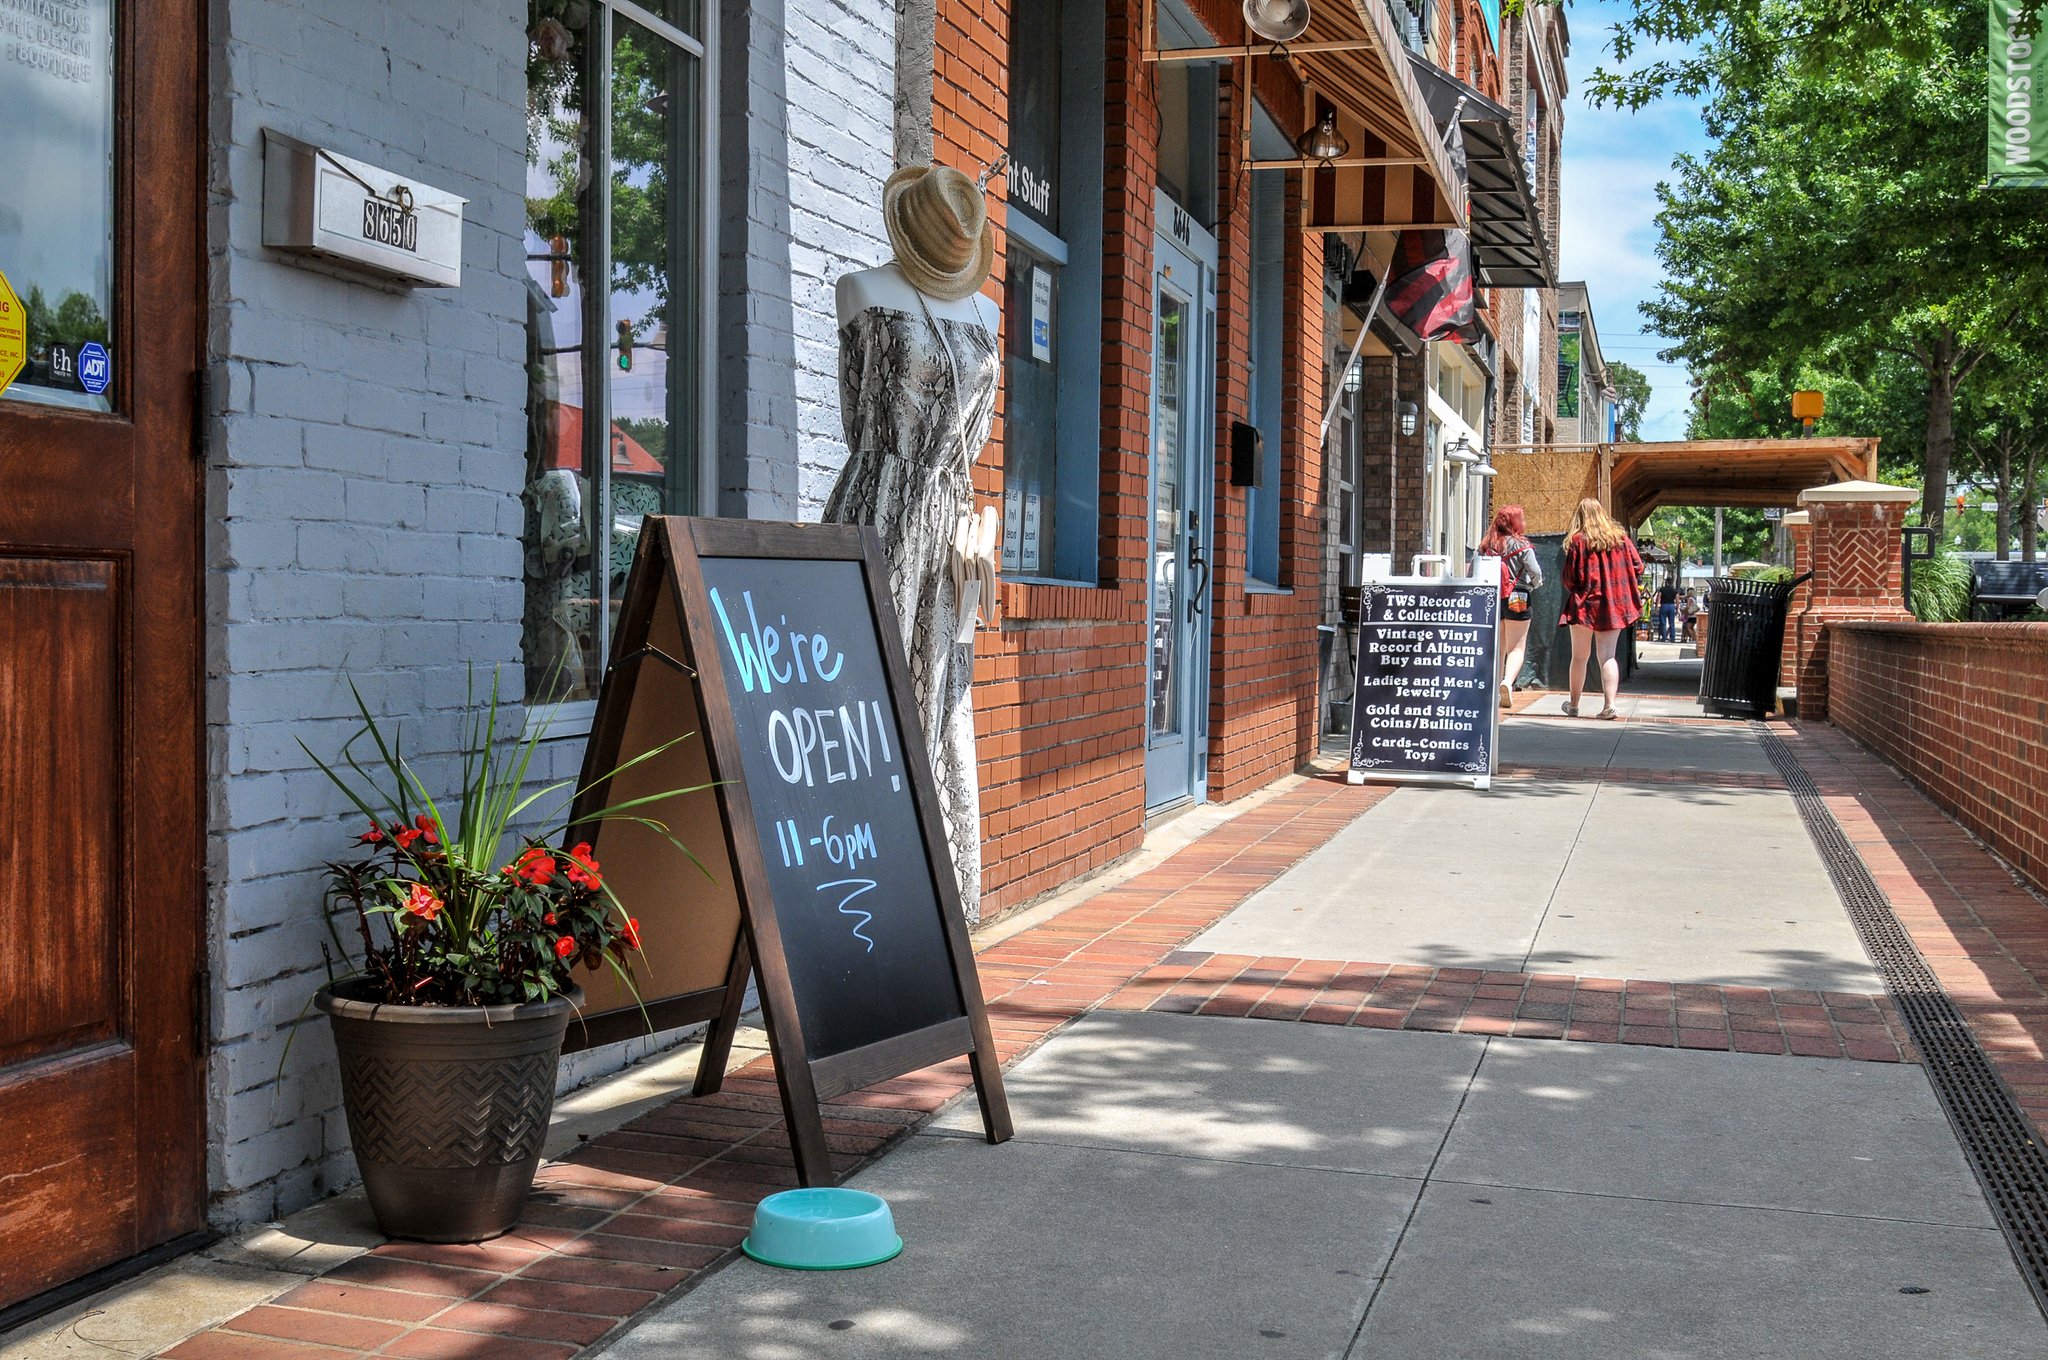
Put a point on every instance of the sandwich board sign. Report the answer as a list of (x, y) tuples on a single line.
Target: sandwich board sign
[(774, 650), (1425, 705)]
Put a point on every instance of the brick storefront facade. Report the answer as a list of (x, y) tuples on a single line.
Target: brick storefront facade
[(1061, 686)]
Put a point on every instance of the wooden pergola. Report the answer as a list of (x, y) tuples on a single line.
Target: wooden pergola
[(1631, 480), (1635, 479)]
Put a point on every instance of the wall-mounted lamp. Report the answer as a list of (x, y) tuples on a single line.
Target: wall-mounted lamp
[(1354, 378), (1323, 142), (1277, 21), (1405, 414), (1460, 451)]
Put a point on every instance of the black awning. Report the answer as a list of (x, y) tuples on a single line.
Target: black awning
[(1509, 249)]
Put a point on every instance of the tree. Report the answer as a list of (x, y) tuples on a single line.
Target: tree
[(1689, 530), (2002, 438), (1842, 219), (1631, 398)]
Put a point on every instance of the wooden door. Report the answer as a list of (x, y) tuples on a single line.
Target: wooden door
[(101, 1062)]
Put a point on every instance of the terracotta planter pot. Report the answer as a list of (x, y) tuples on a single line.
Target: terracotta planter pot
[(447, 1107)]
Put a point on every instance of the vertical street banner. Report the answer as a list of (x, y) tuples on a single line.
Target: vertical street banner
[(2017, 154)]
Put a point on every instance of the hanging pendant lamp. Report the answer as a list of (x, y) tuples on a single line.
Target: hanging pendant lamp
[(1323, 142), (1277, 21)]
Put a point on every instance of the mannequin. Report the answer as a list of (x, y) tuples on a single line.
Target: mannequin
[(918, 372), (884, 286)]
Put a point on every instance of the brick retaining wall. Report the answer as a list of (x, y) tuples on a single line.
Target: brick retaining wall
[(1962, 710)]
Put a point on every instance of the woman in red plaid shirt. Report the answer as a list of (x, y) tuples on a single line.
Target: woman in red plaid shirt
[(1602, 584)]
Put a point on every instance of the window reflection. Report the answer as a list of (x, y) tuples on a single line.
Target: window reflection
[(57, 207), (651, 466), (560, 628), (604, 452)]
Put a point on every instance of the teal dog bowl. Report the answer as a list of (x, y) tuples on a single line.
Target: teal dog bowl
[(823, 1229)]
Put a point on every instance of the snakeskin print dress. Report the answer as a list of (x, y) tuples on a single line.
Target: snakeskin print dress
[(918, 396)]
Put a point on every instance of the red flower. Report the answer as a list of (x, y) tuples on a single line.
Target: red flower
[(631, 932), (404, 835), (548, 919), (582, 868), (536, 866), (370, 837), (565, 946), (425, 824), (422, 902)]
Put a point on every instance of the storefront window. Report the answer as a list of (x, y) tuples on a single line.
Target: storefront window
[(1268, 326), (1052, 294), (615, 289), (57, 212)]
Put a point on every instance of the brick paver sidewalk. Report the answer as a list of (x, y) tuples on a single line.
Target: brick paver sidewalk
[(642, 1211), (1525, 1005), (1982, 931)]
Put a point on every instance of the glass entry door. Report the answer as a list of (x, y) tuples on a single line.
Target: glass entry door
[(1183, 431)]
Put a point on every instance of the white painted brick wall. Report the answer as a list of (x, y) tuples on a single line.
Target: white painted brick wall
[(803, 171), (841, 62), (367, 448), (366, 453)]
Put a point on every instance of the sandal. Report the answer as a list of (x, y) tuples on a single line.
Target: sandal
[(1609, 715)]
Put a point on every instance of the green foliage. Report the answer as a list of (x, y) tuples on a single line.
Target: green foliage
[(75, 320), (444, 913), (1689, 529), (1841, 222), (1941, 588), (1631, 399), (1737, 43), (647, 116)]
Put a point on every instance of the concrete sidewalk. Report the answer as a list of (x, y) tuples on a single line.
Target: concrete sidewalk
[(1185, 1184), (1680, 1118)]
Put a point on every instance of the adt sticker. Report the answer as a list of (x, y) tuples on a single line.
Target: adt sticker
[(95, 369)]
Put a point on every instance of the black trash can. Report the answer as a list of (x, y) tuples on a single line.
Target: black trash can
[(1745, 638)]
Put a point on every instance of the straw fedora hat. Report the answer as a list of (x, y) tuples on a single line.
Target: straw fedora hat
[(939, 228)]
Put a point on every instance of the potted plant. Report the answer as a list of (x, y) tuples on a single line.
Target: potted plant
[(449, 1028)]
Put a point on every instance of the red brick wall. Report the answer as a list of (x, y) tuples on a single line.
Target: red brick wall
[(1856, 578), (1061, 686), (1961, 709)]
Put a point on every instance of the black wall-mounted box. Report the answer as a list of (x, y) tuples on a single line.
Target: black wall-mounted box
[(1247, 444)]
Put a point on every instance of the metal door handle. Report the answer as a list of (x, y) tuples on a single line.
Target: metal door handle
[(1200, 564)]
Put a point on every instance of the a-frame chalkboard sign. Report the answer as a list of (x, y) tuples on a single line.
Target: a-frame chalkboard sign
[(775, 648)]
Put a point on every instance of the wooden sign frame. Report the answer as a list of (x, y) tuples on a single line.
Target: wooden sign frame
[(1476, 774), (668, 574)]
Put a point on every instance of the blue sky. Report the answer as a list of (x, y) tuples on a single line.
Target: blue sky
[(1612, 162)]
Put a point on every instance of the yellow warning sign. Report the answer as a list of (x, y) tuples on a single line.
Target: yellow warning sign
[(13, 334)]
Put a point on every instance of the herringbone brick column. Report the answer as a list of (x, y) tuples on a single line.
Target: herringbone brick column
[(1799, 531), (1857, 573)]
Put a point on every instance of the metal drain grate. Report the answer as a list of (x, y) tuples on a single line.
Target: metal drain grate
[(2001, 1145)]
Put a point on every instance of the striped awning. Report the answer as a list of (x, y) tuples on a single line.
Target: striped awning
[(1382, 110), (1352, 62)]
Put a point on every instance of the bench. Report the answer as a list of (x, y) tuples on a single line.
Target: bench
[(2005, 590)]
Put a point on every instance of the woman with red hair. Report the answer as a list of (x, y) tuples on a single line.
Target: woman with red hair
[(1520, 576)]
